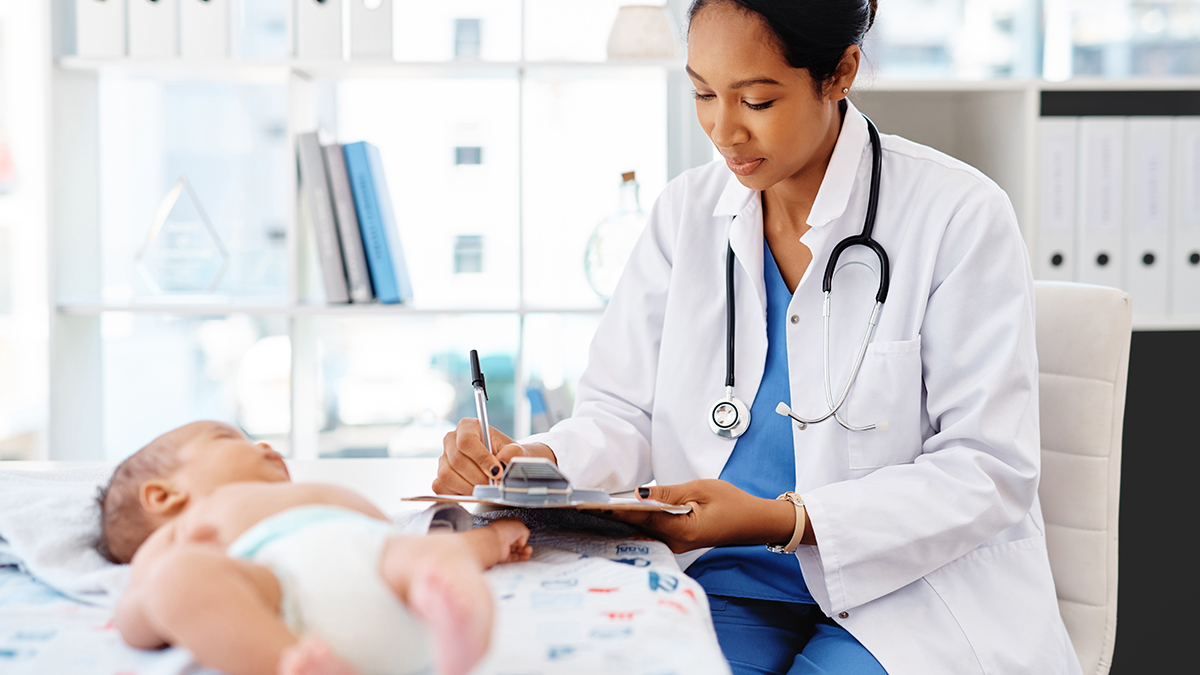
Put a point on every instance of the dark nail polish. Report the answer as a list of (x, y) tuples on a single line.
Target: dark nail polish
[(495, 470), (643, 492)]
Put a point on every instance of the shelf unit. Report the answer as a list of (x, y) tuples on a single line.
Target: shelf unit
[(989, 124), (993, 126), (77, 380)]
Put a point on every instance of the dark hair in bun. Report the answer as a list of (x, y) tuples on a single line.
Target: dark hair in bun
[(813, 34)]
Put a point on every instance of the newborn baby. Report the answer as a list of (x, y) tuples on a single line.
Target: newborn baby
[(255, 574)]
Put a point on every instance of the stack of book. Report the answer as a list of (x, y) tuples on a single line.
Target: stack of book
[(346, 195)]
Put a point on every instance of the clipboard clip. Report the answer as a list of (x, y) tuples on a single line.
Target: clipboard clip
[(536, 481)]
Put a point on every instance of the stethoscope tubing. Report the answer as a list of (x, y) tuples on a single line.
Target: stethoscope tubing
[(863, 239)]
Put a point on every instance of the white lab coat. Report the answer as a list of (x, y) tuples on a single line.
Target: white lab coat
[(931, 543)]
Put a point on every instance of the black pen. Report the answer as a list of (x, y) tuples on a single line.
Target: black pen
[(480, 388)]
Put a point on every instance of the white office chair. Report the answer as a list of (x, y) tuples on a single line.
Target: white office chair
[(1083, 337)]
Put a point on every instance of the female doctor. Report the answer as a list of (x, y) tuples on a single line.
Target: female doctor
[(900, 534)]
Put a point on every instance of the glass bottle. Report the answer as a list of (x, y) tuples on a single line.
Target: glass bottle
[(612, 241)]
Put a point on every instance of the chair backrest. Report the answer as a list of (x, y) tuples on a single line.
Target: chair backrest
[(1083, 335)]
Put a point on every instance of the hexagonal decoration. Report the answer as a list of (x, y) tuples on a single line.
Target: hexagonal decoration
[(182, 253)]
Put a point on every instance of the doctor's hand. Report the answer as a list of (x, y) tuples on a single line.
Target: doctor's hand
[(465, 461), (722, 515)]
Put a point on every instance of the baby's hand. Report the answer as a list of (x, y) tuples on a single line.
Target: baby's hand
[(509, 537)]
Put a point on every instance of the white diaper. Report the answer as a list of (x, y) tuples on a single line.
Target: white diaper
[(327, 562)]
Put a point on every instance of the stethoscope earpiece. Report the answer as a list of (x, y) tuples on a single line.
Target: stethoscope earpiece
[(786, 411)]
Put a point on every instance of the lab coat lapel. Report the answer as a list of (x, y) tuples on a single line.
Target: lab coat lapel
[(745, 236), (845, 164)]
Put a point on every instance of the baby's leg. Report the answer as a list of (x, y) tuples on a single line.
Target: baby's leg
[(311, 656), (440, 577)]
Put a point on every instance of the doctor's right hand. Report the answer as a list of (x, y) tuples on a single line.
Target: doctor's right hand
[(465, 461)]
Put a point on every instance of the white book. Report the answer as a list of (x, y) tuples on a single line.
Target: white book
[(1184, 268), (319, 29), (370, 29), (314, 186), (1055, 241), (204, 28), (1148, 207), (358, 275), (100, 28), (1101, 200), (153, 28)]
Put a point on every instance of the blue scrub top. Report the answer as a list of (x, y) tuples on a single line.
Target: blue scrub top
[(763, 463)]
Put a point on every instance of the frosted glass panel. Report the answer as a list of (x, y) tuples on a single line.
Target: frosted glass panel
[(580, 136), (161, 371), (263, 28), (967, 39), (24, 170), (1124, 38), (457, 30), (556, 354), (395, 386), (568, 31), (229, 142), (449, 150)]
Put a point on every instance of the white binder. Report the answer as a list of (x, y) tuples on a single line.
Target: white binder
[(319, 29), (1101, 200), (1184, 294), (153, 28), (370, 29), (1148, 207), (100, 28), (204, 28), (1058, 148)]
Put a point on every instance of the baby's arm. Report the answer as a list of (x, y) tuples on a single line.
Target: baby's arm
[(225, 611), (132, 622), (130, 617)]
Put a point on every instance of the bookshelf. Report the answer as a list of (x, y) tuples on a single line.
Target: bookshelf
[(991, 124), (87, 313)]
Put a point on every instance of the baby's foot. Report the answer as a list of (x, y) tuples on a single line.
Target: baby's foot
[(454, 601), (311, 656), (502, 541)]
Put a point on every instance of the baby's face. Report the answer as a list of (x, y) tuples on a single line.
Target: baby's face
[(216, 454)]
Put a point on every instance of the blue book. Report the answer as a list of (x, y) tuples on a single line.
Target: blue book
[(377, 222)]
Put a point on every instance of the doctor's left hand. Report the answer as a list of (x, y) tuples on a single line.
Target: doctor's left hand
[(722, 515)]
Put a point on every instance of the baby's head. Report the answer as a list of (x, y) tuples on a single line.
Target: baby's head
[(156, 483)]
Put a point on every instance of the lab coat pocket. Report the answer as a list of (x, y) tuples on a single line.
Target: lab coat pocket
[(888, 393)]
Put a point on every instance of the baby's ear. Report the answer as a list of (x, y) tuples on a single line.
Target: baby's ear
[(161, 497)]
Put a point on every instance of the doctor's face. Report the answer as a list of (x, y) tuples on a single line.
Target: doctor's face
[(764, 116)]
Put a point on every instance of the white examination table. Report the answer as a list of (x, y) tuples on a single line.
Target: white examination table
[(585, 603)]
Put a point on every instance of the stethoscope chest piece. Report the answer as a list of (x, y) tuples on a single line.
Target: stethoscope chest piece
[(729, 417)]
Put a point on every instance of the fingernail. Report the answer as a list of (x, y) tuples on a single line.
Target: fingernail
[(643, 492), (495, 470)]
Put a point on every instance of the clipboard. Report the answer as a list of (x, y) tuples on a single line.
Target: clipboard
[(537, 483)]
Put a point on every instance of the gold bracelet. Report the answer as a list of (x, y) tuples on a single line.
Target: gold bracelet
[(801, 521)]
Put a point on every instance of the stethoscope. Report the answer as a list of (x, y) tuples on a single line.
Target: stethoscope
[(729, 417)]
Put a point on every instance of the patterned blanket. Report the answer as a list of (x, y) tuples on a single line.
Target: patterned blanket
[(596, 598)]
